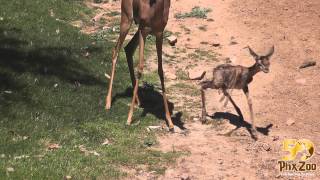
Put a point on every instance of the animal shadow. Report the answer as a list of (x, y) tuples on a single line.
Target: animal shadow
[(151, 101), (239, 122)]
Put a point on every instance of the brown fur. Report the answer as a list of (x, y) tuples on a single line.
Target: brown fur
[(227, 77), (152, 17)]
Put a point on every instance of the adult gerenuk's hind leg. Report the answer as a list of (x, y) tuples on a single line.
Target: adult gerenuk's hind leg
[(129, 50), (159, 42), (142, 38)]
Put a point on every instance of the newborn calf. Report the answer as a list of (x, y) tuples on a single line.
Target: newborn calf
[(226, 77)]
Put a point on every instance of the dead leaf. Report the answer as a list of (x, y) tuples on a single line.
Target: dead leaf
[(95, 153), (87, 54), (86, 152), (21, 157), (68, 177), (107, 75), (10, 169), (106, 142), (25, 137), (8, 92), (54, 146)]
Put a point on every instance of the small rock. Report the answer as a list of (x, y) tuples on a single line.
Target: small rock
[(10, 169), (275, 138), (308, 63), (233, 41), (185, 177), (227, 60), (301, 81), (196, 119), (215, 44), (172, 40), (153, 128), (220, 161), (290, 122), (196, 73), (266, 147), (2, 156), (55, 85)]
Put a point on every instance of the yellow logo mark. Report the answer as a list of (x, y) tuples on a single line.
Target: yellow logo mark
[(294, 146)]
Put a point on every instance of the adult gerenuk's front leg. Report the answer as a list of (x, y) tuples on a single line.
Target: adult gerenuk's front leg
[(125, 25)]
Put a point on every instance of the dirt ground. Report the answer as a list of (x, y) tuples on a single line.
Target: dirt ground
[(285, 94)]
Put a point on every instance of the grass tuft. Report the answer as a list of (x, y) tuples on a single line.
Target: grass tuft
[(196, 12)]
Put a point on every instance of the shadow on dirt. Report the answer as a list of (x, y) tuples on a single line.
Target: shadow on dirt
[(239, 122), (152, 103)]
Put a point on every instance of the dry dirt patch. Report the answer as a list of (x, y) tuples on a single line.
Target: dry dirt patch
[(286, 93)]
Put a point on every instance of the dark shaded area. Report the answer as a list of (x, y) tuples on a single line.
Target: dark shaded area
[(48, 61), (18, 58), (239, 122), (152, 102)]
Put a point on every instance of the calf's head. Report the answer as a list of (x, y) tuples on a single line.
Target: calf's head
[(263, 62)]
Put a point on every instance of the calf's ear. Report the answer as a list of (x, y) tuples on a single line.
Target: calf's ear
[(255, 56), (270, 53)]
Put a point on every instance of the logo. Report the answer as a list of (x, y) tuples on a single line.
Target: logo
[(299, 152)]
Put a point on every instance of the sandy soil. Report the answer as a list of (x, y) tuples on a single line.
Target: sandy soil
[(287, 93), (293, 28)]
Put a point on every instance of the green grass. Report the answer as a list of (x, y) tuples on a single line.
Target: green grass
[(182, 75), (50, 92), (187, 89), (196, 12), (199, 54)]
